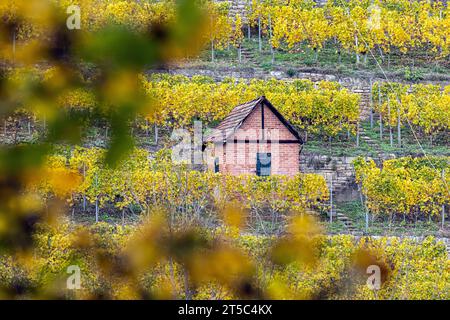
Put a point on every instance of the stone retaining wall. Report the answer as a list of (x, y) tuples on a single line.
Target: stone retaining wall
[(338, 169)]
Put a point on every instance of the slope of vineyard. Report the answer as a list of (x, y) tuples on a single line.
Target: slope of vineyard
[(334, 268), (407, 187), (98, 98), (424, 106), (145, 184), (357, 25), (320, 108), (323, 107)]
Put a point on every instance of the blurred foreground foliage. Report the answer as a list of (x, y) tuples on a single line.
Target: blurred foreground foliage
[(102, 63), (154, 261), (116, 53)]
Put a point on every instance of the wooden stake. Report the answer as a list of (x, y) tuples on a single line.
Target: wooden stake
[(356, 45), (357, 134), (248, 20), (381, 116), (399, 131), (391, 137), (259, 34), (240, 53), (270, 40), (331, 199), (84, 196), (96, 210), (371, 104), (443, 205)]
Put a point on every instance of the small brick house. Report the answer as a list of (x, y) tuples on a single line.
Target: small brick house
[(254, 139)]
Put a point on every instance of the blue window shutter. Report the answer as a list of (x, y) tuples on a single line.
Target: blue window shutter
[(216, 165), (263, 164), (258, 165)]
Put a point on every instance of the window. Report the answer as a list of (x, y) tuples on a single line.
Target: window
[(216, 165), (263, 164)]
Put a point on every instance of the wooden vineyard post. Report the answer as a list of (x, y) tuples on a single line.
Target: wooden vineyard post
[(399, 131), (96, 199), (371, 104), (367, 220), (84, 196), (248, 19), (96, 209), (212, 41), (391, 137), (443, 205), (259, 34), (270, 40), (381, 116), (357, 134), (331, 198), (240, 53), (366, 211)]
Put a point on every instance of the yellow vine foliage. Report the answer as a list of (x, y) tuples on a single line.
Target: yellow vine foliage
[(422, 105), (405, 186), (324, 107)]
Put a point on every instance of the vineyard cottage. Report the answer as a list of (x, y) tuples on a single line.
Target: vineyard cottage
[(254, 139)]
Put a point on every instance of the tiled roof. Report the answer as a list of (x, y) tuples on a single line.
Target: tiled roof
[(237, 116), (233, 121)]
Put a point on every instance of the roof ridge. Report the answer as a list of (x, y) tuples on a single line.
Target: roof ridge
[(238, 115), (248, 102)]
